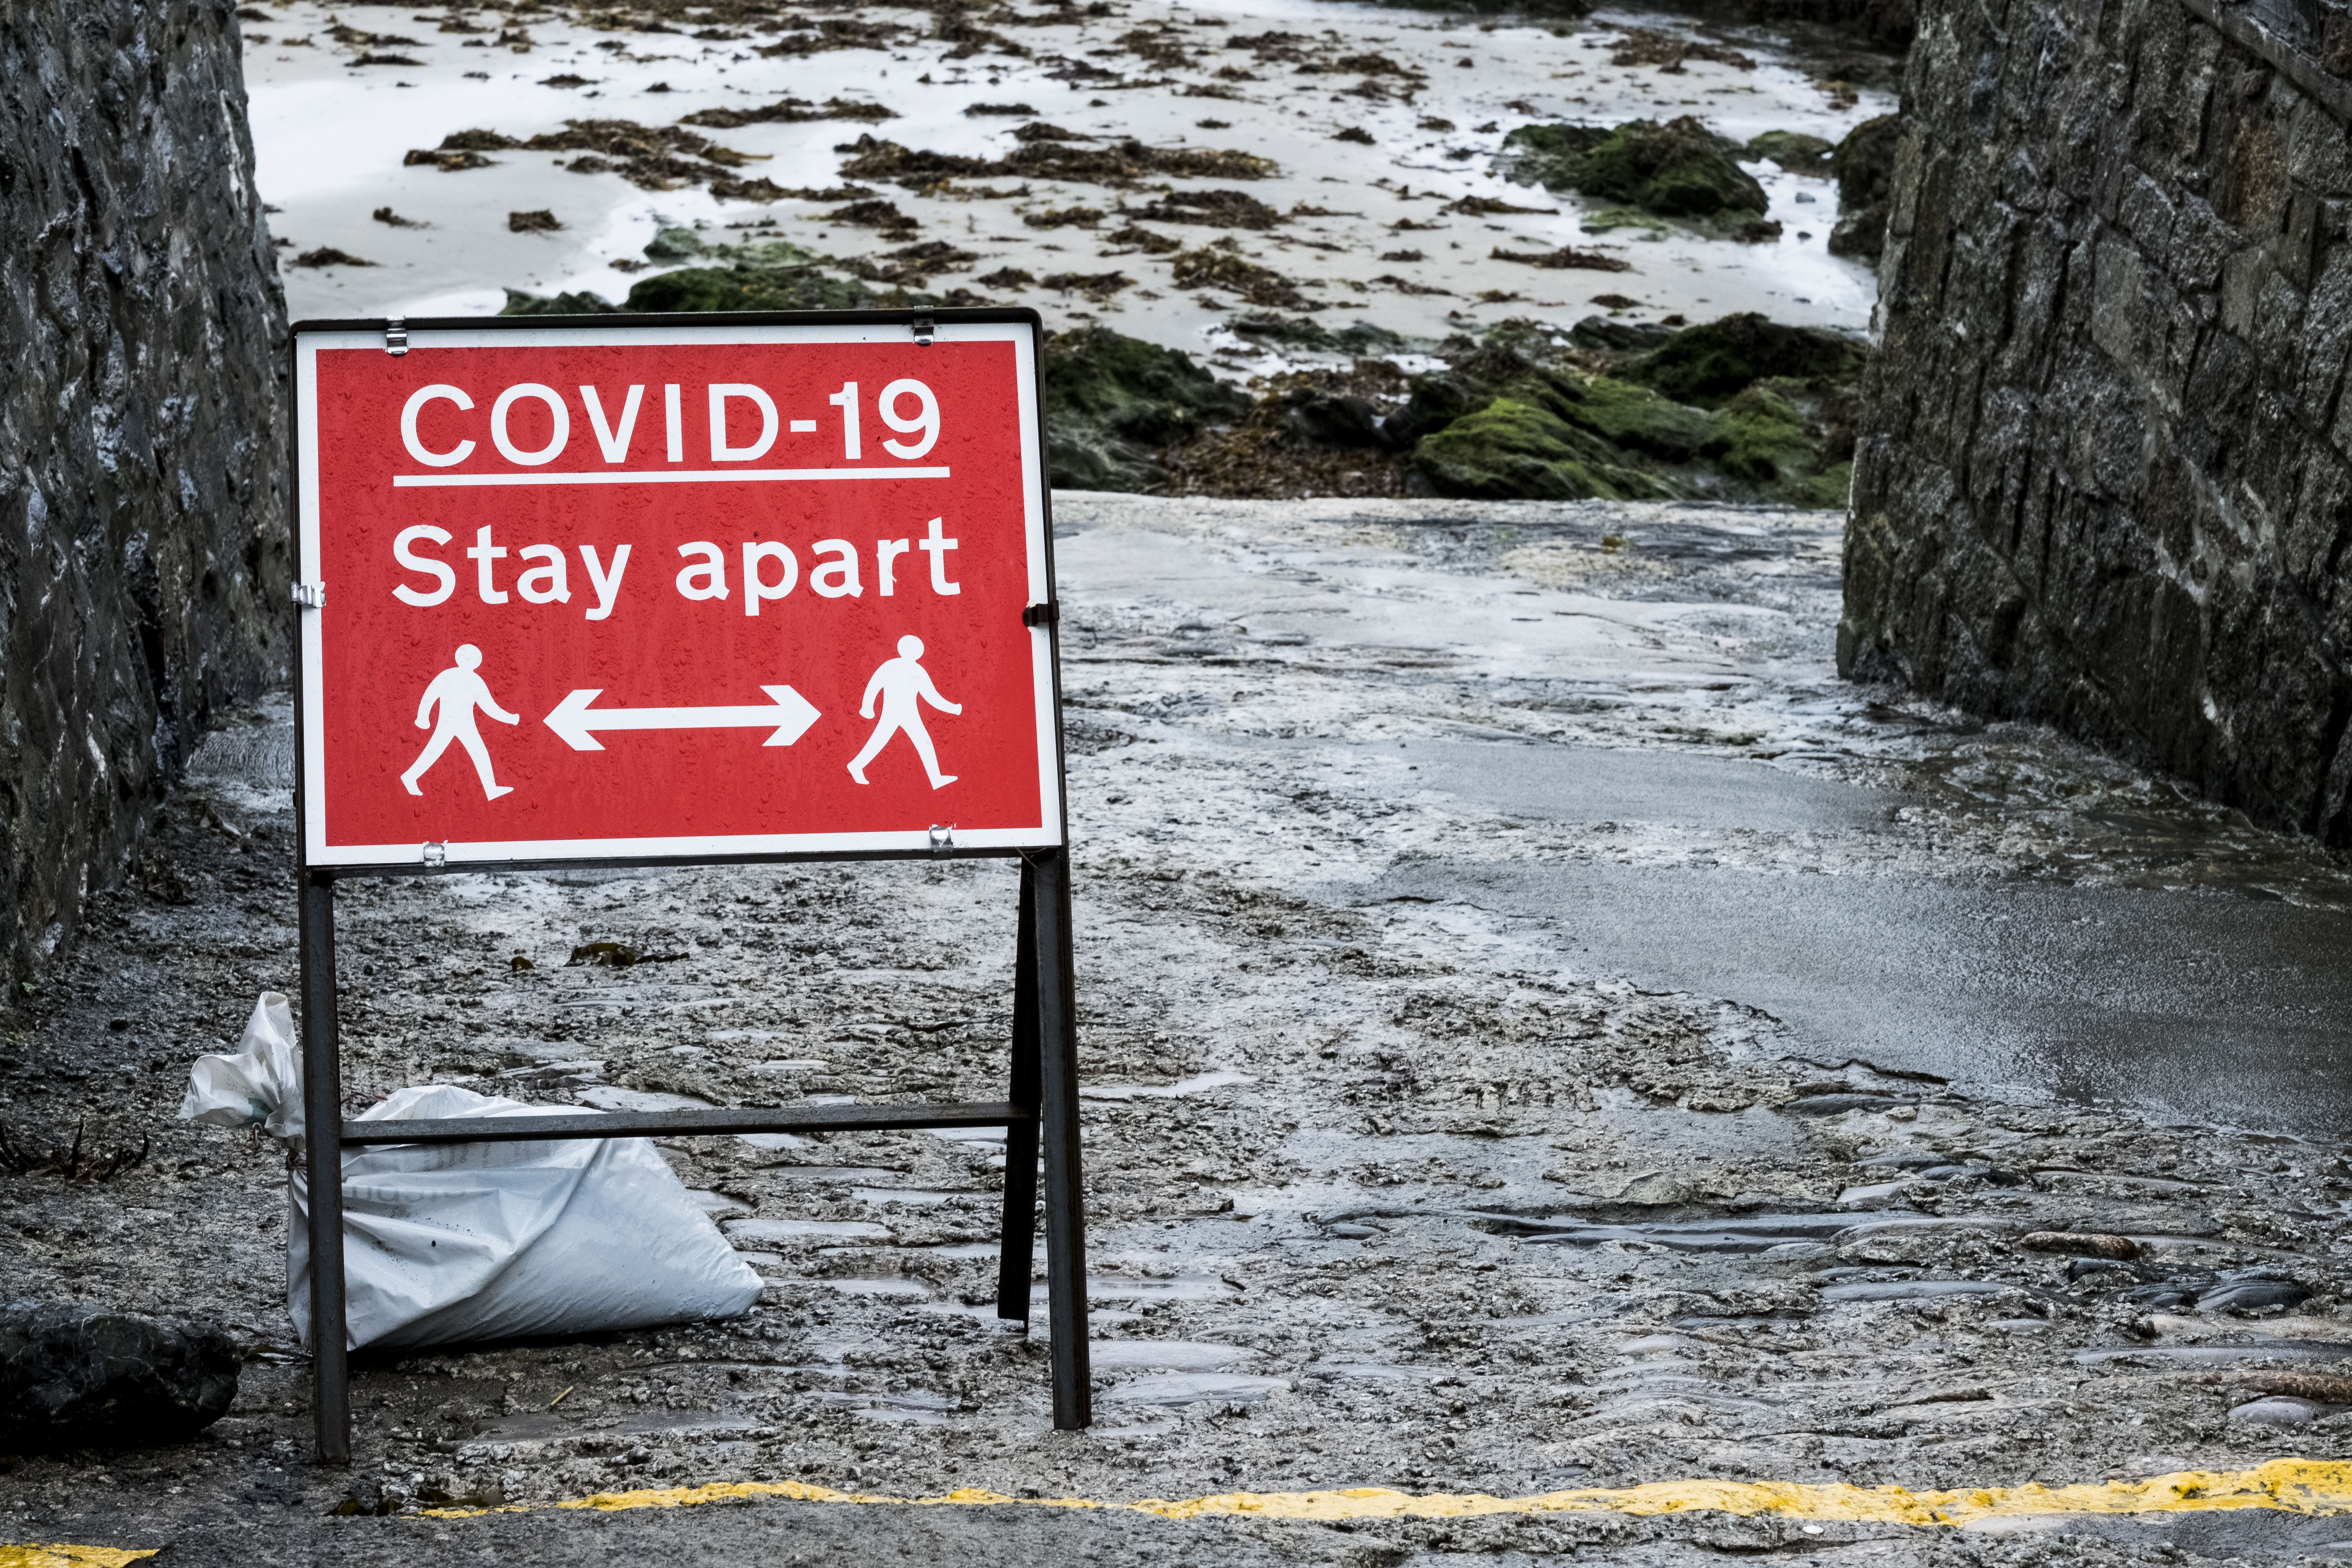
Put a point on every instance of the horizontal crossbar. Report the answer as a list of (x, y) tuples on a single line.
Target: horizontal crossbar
[(683, 1123)]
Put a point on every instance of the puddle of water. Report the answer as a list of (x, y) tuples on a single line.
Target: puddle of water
[(1183, 1288), (2218, 1355), (1743, 1233), (716, 1204), (1371, 1372), (802, 1230), (917, 1196), (1175, 1390), (604, 1097), (774, 1140), (830, 1176), (876, 1285), (1166, 1355), (1199, 1083), (1913, 1289), (908, 1407)]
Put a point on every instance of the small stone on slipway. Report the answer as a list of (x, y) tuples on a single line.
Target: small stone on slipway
[(78, 1376)]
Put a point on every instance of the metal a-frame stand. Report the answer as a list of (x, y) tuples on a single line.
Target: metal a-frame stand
[(1040, 1116)]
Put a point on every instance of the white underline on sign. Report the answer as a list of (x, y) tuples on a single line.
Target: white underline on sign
[(690, 476)]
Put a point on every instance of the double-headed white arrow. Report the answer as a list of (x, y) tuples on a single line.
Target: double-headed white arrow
[(789, 716)]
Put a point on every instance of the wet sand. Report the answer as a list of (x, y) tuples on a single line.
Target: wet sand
[(1381, 247)]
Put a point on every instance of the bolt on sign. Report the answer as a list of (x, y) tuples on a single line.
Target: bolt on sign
[(696, 593), (683, 589)]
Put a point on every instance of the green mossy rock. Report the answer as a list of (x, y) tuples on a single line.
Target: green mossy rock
[(1763, 439), (1110, 398), (1515, 449), (1679, 169), (1712, 362), (1793, 151), (584, 303), (801, 287)]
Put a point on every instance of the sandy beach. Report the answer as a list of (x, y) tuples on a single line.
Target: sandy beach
[(1381, 227)]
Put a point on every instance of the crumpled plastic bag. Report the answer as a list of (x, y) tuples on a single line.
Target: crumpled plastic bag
[(448, 1243), (261, 1086)]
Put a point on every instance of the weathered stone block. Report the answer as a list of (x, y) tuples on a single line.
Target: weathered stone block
[(143, 523), (2106, 465)]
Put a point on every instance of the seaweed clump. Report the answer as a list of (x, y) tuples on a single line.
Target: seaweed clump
[(1110, 401), (1677, 170)]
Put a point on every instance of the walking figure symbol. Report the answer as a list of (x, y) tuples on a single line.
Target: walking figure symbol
[(904, 686), (458, 691)]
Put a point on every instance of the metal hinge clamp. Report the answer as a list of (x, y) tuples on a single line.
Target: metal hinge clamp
[(942, 838), (310, 596), (435, 853), (924, 331), (1048, 614), (395, 335)]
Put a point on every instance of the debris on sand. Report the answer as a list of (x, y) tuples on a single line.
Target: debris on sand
[(1127, 162), (651, 158), (1063, 217), (1679, 169), (789, 111), (1566, 255), (542, 221), (327, 256), (386, 215), (1215, 209), (1005, 111), (1093, 285), (1222, 265), (1649, 46)]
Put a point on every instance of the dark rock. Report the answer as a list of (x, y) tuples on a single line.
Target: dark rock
[(1715, 362), (1321, 419), (1601, 335), (1110, 398), (584, 303), (1889, 24), (78, 1376), (1864, 166), (1679, 169), (142, 424), (2104, 465), (2248, 1295)]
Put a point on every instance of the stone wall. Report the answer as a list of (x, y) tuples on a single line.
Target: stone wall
[(2108, 456), (144, 564)]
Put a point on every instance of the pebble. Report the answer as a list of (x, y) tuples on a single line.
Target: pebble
[(2275, 1411), (2082, 1244)]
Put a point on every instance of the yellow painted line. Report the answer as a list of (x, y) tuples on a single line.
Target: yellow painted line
[(70, 1556), (2293, 1486)]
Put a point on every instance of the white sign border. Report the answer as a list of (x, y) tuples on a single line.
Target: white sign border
[(319, 855)]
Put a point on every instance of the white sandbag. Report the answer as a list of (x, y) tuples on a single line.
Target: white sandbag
[(448, 1243)]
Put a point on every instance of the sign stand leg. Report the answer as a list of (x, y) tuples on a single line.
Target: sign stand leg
[(322, 1111), (1065, 1236), (1016, 1252)]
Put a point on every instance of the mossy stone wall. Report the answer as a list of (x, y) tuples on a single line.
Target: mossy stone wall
[(2106, 454), (143, 551)]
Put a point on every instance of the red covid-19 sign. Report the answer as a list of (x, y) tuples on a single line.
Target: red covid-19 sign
[(673, 590)]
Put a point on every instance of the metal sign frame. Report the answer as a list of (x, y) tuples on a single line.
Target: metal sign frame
[(1040, 1112)]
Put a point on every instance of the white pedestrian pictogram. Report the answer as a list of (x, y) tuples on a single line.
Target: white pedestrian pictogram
[(905, 687), (459, 691)]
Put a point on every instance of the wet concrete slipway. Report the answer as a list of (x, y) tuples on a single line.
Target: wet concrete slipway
[(1543, 1035)]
